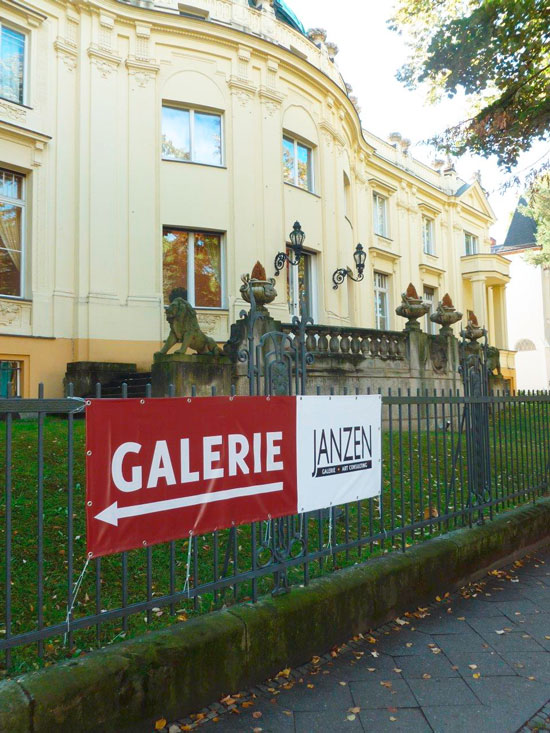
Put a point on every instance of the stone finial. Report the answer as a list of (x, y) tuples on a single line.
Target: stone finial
[(395, 138), (412, 307), (332, 49), (445, 315), (317, 35), (263, 289), (473, 332)]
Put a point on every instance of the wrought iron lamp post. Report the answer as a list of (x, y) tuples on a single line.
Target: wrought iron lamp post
[(338, 276), (296, 237)]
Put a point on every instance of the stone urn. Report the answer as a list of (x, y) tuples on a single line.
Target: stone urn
[(262, 288), (412, 307), (473, 330), (445, 316)]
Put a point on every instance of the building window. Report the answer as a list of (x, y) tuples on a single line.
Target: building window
[(525, 345), (10, 379), (12, 64), (191, 136), (380, 208), (302, 286), (428, 235), (381, 301), (12, 209), (471, 244), (194, 261), (429, 297), (297, 163)]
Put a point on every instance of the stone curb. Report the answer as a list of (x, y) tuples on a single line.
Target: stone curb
[(183, 668)]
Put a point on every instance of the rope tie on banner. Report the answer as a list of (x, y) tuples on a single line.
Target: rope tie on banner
[(76, 588), (188, 570), (267, 534), (330, 513)]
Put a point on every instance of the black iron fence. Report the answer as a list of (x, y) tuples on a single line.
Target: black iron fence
[(448, 461)]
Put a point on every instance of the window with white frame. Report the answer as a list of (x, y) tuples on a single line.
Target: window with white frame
[(380, 209), (302, 286), (194, 261), (297, 163), (12, 64), (428, 235), (429, 297), (12, 233), (381, 301), (192, 136), (471, 244)]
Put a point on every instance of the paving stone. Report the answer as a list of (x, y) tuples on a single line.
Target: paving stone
[(404, 720), (508, 693), (442, 692), (530, 664), (436, 665), (383, 668), (488, 664), (445, 624), (460, 719), (316, 722), (326, 694), (523, 605), (406, 644), (471, 641), (513, 641), (371, 694)]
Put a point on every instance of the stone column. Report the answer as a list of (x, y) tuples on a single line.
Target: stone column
[(480, 299), (491, 314)]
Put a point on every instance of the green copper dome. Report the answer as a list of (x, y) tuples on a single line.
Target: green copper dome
[(285, 14)]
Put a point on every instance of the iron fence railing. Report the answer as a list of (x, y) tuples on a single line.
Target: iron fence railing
[(435, 478)]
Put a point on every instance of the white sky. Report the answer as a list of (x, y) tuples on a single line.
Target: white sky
[(369, 57)]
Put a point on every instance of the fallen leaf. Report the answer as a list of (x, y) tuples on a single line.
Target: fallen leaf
[(257, 730), (476, 675), (392, 719), (371, 639), (371, 669), (388, 685), (397, 670), (316, 660), (186, 727), (530, 678), (247, 704), (472, 666), (438, 599), (283, 673), (355, 710), (160, 724), (310, 686), (287, 712), (343, 684), (426, 676), (228, 700), (351, 717), (500, 631), (461, 618), (409, 644), (375, 654), (257, 714)]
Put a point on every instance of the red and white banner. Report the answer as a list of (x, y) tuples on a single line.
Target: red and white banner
[(162, 469)]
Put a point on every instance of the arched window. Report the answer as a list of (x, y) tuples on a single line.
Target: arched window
[(525, 345)]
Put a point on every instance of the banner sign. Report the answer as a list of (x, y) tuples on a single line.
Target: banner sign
[(162, 469)]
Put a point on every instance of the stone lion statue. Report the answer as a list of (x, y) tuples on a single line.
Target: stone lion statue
[(184, 327), (493, 360)]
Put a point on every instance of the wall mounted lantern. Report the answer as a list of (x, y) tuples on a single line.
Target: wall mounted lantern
[(296, 237), (338, 276)]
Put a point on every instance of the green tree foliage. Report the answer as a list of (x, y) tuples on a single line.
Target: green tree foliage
[(498, 52), (538, 208)]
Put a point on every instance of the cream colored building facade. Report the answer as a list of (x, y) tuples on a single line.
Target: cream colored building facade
[(216, 124)]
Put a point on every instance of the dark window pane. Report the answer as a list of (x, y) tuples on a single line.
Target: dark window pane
[(208, 271), (207, 139), (174, 261), (288, 160), (176, 139)]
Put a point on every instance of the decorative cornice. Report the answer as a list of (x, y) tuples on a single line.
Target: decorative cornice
[(142, 71), (105, 62), (12, 111), (67, 52)]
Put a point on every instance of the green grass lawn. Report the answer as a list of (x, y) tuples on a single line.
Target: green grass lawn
[(424, 477)]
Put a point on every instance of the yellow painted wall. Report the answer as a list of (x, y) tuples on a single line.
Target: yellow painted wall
[(98, 193)]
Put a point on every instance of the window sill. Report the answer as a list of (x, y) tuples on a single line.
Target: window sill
[(383, 236), (194, 162), (432, 255), (15, 298), (211, 309), (17, 104), (299, 188)]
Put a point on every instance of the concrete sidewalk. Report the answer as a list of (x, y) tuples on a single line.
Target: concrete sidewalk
[(477, 660)]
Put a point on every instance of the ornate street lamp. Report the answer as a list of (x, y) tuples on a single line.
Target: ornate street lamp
[(296, 237), (338, 276)]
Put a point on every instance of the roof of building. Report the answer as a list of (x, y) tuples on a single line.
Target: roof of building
[(522, 232), (285, 14)]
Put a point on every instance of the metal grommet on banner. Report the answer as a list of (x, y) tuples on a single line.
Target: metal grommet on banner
[(142, 402), (268, 398), (88, 403), (189, 399), (89, 503), (88, 452), (144, 543)]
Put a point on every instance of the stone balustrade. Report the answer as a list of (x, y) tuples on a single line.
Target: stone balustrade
[(366, 342)]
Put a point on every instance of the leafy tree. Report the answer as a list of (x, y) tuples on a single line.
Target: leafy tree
[(538, 208), (498, 52)]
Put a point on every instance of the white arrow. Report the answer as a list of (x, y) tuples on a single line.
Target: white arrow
[(113, 513)]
